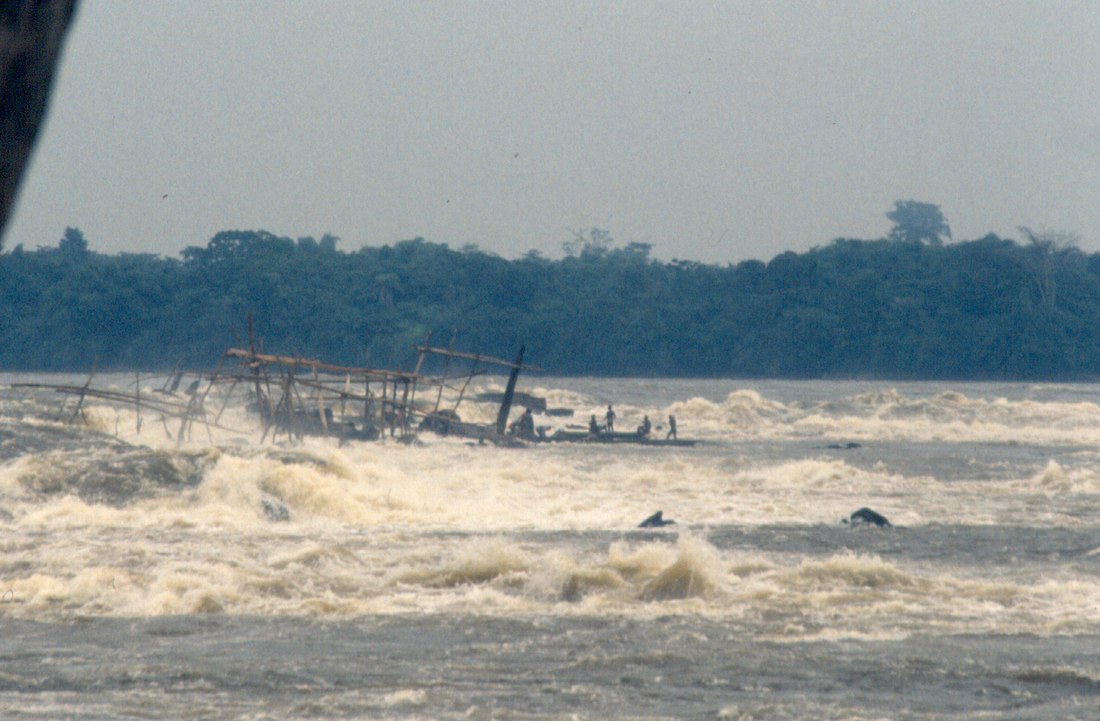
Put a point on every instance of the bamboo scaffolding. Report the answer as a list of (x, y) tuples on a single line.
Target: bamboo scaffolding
[(299, 396), (167, 409), (252, 359), (476, 357)]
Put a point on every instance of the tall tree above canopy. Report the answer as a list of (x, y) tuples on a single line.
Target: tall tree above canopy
[(594, 243), (916, 222), (1045, 253), (73, 244)]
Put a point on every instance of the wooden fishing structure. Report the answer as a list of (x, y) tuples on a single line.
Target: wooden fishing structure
[(165, 404), (295, 397), (446, 421), (298, 396)]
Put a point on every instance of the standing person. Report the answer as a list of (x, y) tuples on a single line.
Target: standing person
[(671, 427), (609, 419)]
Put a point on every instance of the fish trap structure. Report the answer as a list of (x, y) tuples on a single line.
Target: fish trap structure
[(295, 397)]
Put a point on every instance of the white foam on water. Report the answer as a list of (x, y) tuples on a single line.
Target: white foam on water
[(885, 415), (882, 416), (450, 484), (342, 574), (405, 697), (448, 527)]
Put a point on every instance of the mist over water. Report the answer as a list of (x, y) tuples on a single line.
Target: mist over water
[(482, 581)]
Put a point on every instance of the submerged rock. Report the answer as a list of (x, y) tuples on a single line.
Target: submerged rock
[(865, 516), (275, 510), (656, 521)]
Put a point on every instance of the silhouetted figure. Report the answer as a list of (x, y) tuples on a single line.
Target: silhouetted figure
[(656, 521), (644, 429), (867, 516), (524, 426), (593, 427), (671, 427), (609, 419)]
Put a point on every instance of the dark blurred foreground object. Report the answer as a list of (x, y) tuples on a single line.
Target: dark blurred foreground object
[(31, 33)]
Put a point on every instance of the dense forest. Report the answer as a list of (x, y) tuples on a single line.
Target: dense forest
[(916, 304)]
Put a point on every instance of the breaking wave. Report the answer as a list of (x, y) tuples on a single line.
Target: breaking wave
[(136, 523)]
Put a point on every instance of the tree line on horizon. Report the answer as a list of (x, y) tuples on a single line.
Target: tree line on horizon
[(907, 306)]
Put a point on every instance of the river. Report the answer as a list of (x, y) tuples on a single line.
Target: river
[(145, 578)]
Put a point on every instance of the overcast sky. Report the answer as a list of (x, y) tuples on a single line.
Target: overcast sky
[(715, 131)]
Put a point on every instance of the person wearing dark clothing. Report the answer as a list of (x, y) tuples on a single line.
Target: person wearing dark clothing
[(524, 426), (671, 427), (593, 427), (609, 419), (643, 430)]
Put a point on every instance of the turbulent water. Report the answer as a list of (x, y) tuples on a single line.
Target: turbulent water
[(226, 577)]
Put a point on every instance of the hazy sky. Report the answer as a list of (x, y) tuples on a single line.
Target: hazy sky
[(716, 131)]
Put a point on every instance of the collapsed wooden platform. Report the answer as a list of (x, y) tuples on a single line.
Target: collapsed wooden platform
[(299, 396), (294, 397)]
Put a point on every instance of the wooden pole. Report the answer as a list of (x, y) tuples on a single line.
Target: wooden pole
[(462, 391), (446, 367), (320, 403), (80, 403), (419, 364), (509, 391), (137, 395)]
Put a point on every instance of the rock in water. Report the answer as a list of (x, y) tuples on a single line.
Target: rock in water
[(656, 521), (866, 515)]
